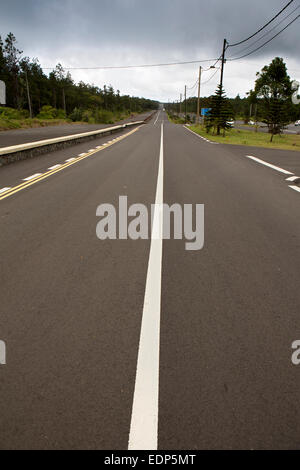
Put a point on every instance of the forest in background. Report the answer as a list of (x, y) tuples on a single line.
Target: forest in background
[(30, 93)]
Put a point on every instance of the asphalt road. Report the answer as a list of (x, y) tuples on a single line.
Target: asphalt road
[(88, 323), (22, 136)]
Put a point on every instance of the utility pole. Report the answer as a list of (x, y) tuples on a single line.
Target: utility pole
[(180, 103), (185, 102), (28, 96), (221, 79), (198, 102), (223, 62)]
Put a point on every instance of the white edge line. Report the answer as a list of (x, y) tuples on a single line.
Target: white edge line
[(201, 137), (144, 417), (277, 168)]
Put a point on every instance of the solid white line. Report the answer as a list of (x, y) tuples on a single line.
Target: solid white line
[(277, 168), (32, 176), (156, 118), (3, 190), (296, 188), (54, 167), (144, 417)]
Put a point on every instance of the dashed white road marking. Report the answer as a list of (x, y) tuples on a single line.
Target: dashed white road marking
[(201, 137), (144, 417), (54, 167), (262, 162), (81, 155), (72, 159), (293, 178), (3, 190), (296, 188), (32, 177)]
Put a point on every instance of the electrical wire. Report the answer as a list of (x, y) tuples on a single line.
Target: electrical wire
[(134, 66), (267, 42), (268, 32), (212, 76), (267, 24)]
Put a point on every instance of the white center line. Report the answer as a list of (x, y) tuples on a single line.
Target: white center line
[(277, 168), (296, 188), (3, 190), (32, 177), (156, 118), (54, 167), (144, 417)]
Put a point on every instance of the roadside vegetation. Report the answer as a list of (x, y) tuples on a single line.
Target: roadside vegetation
[(272, 101), (11, 118), (256, 139), (36, 99)]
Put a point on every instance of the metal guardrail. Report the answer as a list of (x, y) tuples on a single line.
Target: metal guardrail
[(68, 138)]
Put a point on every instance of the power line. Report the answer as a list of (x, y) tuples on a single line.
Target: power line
[(212, 76), (133, 66), (268, 32), (262, 45), (267, 24)]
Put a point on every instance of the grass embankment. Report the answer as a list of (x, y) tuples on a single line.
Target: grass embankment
[(254, 139)]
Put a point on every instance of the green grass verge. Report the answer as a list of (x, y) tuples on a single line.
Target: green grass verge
[(253, 139)]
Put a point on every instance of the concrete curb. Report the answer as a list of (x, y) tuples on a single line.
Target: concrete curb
[(33, 149)]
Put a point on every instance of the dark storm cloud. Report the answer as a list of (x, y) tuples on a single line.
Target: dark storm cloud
[(116, 32), (182, 26)]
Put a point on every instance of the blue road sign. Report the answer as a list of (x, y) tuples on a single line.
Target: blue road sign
[(205, 111)]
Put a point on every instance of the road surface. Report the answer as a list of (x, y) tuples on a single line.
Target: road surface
[(22, 136), (84, 351)]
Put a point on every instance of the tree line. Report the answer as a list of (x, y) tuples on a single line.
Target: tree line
[(28, 87), (270, 101)]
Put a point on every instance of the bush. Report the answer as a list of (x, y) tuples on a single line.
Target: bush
[(104, 117), (10, 113), (60, 114), (47, 112), (76, 115)]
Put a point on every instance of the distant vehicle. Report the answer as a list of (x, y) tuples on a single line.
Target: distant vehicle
[(297, 123), (252, 123), (230, 123)]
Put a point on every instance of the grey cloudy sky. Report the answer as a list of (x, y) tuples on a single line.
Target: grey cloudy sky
[(91, 33)]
